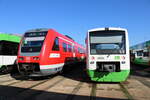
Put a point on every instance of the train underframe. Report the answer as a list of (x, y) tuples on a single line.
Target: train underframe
[(35, 70), (108, 72)]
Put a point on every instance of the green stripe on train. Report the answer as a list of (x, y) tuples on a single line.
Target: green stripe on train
[(141, 61), (1, 66), (108, 76), (9, 37)]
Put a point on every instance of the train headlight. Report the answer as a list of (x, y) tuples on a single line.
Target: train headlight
[(92, 62), (123, 57), (123, 62), (36, 58), (92, 58), (21, 58)]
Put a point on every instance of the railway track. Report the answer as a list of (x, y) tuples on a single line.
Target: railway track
[(9, 82), (73, 87), (125, 91), (23, 89), (75, 90), (97, 90), (13, 83), (33, 95), (93, 91), (1, 76), (22, 93), (143, 81), (6, 81)]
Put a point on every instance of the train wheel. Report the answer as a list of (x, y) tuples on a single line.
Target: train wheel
[(14, 69), (61, 72), (4, 69)]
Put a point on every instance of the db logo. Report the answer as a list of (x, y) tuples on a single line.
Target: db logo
[(123, 57), (93, 58), (27, 58)]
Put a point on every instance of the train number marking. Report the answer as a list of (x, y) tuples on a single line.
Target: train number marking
[(54, 55), (28, 58)]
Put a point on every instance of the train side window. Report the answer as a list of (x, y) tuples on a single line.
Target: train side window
[(64, 47), (69, 48), (81, 51), (56, 45), (78, 50), (73, 49)]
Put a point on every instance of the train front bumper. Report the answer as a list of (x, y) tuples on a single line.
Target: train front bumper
[(108, 76)]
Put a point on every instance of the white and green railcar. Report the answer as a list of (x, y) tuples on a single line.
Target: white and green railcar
[(140, 53), (107, 54)]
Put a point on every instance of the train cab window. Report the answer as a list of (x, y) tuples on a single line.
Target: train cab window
[(145, 54), (56, 45), (9, 48), (69, 48), (64, 47), (140, 53)]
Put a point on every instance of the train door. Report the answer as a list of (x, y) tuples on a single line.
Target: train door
[(73, 50), (1, 60), (64, 51), (146, 56), (1, 57), (9, 50), (56, 54), (149, 52), (132, 56)]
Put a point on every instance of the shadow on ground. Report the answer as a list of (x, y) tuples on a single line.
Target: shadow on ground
[(140, 70), (16, 93), (75, 72)]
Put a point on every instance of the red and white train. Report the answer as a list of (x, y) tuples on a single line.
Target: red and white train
[(44, 52)]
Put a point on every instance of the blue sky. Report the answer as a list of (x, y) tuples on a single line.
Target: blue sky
[(75, 17)]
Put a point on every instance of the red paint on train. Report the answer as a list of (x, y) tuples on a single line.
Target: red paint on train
[(45, 52)]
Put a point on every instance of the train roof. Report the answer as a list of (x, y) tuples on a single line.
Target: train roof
[(69, 37), (38, 30), (44, 30), (47, 29), (107, 28), (10, 37)]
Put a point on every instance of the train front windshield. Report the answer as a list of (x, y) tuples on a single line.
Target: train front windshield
[(33, 41), (107, 42)]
